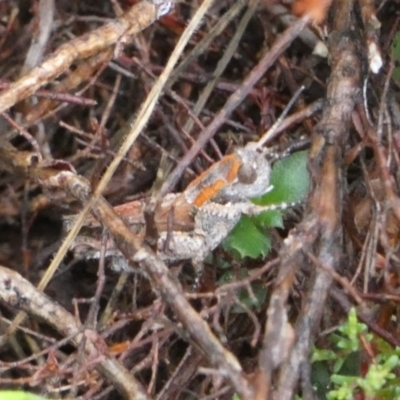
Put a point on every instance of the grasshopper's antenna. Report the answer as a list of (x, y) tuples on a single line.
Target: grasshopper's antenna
[(274, 127)]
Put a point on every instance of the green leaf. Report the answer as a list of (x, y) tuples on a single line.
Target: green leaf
[(290, 179), (351, 331), (323, 355), (344, 392), (269, 219), (18, 395), (338, 364), (248, 240)]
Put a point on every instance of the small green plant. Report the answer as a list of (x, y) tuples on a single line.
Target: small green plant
[(380, 380)]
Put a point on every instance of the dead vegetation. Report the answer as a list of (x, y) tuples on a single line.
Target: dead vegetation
[(102, 105)]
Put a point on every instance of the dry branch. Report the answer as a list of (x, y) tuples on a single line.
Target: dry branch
[(320, 233), (22, 295), (135, 20)]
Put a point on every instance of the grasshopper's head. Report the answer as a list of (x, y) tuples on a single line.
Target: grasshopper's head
[(252, 178)]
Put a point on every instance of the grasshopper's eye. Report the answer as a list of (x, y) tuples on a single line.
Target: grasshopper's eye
[(247, 174)]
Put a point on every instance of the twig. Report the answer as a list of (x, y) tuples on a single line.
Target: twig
[(372, 27), (45, 18)]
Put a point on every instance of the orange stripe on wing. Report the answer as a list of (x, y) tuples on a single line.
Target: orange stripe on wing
[(209, 192), (209, 183)]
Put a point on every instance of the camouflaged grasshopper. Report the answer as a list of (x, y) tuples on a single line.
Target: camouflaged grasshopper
[(191, 224)]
